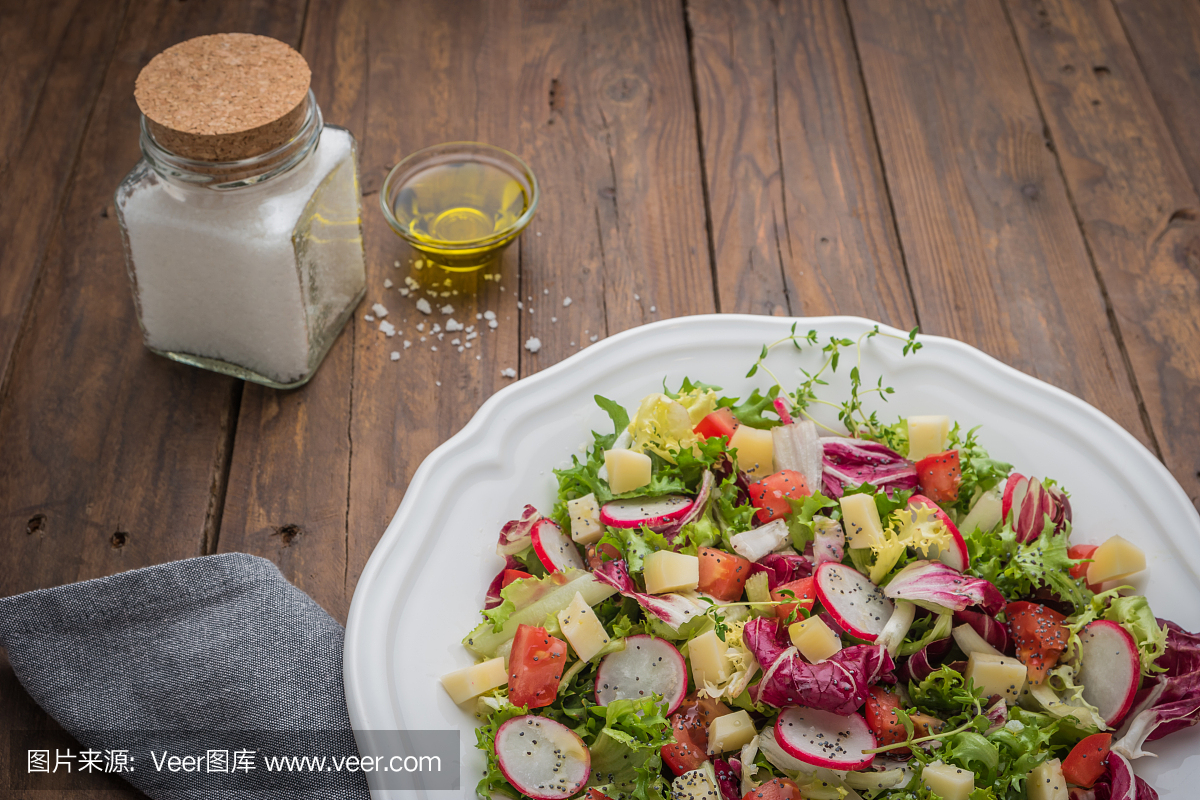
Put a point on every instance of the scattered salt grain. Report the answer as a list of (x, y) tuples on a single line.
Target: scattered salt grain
[(380, 310), (594, 337), (470, 328), (637, 297), (572, 344), (520, 305), (653, 308), (533, 344), (396, 264), (456, 341), (447, 309), (437, 383), (388, 328), (436, 328), (453, 325), (403, 292), (545, 291), (554, 319), (422, 338), (467, 345), (424, 307), (471, 334), (433, 347), (441, 336), (492, 324), (509, 373), (489, 315), (407, 344), (460, 348), (387, 283), (566, 302), (479, 316), (395, 355), (421, 327), (369, 317)]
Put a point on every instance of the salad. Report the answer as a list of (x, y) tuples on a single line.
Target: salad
[(733, 601)]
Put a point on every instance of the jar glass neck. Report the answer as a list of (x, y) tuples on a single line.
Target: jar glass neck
[(242, 172)]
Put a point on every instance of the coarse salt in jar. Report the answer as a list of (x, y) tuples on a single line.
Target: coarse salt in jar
[(242, 222)]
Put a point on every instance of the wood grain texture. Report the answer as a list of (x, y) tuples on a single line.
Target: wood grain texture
[(800, 213), (1139, 210), (1165, 35), (993, 250)]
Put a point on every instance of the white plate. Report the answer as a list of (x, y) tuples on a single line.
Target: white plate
[(423, 587)]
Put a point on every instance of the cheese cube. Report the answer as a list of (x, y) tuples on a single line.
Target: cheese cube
[(665, 571), (627, 470), (814, 639), (695, 785), (582, 628), (1115, 559), (755, 451), (470, 682), (1046, 782), (860, 518), (730, 732), (927, 435), (710, 659), (585, 519), (997, 675), (947, 781)]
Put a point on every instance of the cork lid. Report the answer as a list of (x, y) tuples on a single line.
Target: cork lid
[(224, 97)]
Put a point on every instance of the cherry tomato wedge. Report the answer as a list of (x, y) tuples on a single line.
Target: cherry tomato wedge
[(1040, 636), (535, 667), (1085, 765), (775, 789), (682, 755), (939, 476), (723, 575), (694, 716), (511, 575), (721, 422), (595, 794), (803, 590), (597, 554), (1078, 551), (770, 494), (882, 719)]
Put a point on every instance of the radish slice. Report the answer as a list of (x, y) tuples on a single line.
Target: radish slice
[(542, 758), (1014, 495), (858, 606), (956, 556), (825, 739), (648, 665), (554, 549), (1109, 669), (653, 512)]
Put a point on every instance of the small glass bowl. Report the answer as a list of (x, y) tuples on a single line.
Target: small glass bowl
[(470, 254)]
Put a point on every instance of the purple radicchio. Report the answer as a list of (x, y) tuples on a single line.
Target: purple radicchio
[(729, 777), (517, 534), (839, 684), (920, 664), (1119, 783), (934, 582), (782, 568), (493, 598), (673, 609), (1026, 504), (1172, 701), (851, 462), (992, 630)]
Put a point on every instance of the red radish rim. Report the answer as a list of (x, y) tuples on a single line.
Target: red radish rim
[(1010, 487), (530, 791), (673, 704), (1135, 666), (545, 554), (824, 598), (964, 558), (649, 521), (854, 721)]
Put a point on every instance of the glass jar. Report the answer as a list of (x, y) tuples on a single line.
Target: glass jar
[(247, 267)]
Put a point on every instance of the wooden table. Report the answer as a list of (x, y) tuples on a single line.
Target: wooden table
[(1019, 174)]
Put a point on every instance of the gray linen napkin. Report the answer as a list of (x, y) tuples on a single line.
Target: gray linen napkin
[(220, 644)]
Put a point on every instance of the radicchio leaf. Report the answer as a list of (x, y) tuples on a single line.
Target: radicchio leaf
[(997, 716), (671, 529), (517, 534), (1119, 783), (1027, 503), (934, 582), (852, 462), (493, 598), (925, 661), (782, 568), (728, 777), (838, 684), (993, 632), (673, 609), (1172, 701), (829, 541)]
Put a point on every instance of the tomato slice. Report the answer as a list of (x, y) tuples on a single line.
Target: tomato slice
[(1080, 570), (804, 591), (775, 789), (770, 494), (694, 716), (535, 667), (1040, 636), (939, 476), (882, 719), (682, 755), (595, 794), (721, 422), (511, 575), (1084, 766), (596, 553), (723, 575)]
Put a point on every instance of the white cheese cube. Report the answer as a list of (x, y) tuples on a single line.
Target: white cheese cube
[(755, 451), (463, 684), (710, 660), (1115, 559), (585, 519), (927, 435), (627, 470), (696, 785), (730, 732), (947, 781), (997, 675), (860, 518), (665, 571), (1046, 782), (582, 628), (814, 639)]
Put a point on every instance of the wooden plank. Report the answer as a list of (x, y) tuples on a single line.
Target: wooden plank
[(112, 456), (1165, 35), (800, 214), (1139, 210), (993, 250), (54, 57)]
